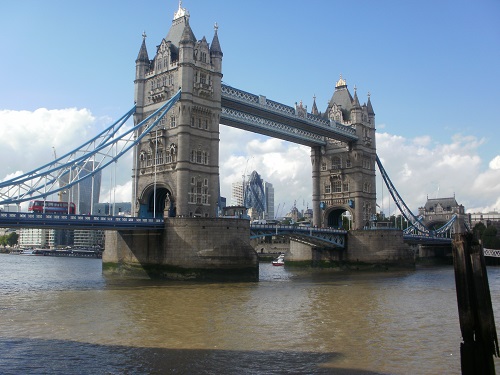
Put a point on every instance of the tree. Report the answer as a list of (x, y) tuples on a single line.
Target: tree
[(12, 239), (490, 239), (478, 230)]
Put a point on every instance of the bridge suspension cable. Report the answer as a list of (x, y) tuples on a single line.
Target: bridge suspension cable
[(417, 227), (403, 208), (102, 150)]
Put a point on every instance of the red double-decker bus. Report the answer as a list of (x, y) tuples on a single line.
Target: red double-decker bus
[(51, 207)]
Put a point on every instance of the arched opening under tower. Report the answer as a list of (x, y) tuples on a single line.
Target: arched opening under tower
[(155, 202), (339, 218)]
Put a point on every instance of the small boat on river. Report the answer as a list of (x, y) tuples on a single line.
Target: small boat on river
[(30, 252), (279, 261)]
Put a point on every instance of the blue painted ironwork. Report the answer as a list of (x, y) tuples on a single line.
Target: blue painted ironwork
[(256, 113), (403, 208), (268, 127), (417, 228), (102, 150), (314, 236), (65, 221)]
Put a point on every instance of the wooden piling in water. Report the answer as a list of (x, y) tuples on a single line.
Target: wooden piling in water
[(475, 311)]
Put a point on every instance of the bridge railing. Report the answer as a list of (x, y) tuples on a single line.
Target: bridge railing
[(27, 219), (491, 253), (297, 228)]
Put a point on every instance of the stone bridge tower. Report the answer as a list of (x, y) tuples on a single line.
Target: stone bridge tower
[(344, 173), (176, 170)]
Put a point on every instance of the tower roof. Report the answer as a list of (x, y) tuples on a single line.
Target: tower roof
[(355, 101), (369, 106), (215, 46), (342, 97), (179, 23), (181, 12), (143, 52), (314, 109), (187, 34)]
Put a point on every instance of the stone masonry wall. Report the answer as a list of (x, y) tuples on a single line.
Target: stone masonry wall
[(186, 246), (378, 246)]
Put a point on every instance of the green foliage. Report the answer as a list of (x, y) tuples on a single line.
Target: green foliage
[(12, 239), (490, 239), (9, 239), (478, 230)]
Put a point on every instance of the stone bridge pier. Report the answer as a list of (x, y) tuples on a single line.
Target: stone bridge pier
[(187, 249)]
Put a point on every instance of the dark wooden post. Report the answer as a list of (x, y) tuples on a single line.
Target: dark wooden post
[(475, 311)]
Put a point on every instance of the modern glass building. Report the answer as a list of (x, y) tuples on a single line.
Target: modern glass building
[(255, 196)]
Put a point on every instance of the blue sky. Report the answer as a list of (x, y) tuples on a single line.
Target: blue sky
[(431, 68)]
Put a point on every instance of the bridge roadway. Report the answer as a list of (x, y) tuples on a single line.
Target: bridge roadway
[(316, 236), (67, 221), (309, 235)]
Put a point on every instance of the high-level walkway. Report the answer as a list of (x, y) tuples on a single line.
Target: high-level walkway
[(256, 113)]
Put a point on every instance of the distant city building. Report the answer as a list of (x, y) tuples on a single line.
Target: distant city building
[(113, 209), (479, 217), (36, 237), (88, 238), (237, 193), (308, 214), (269, 194), (10, 208), (86, 193), (254, 196), (294, 214)]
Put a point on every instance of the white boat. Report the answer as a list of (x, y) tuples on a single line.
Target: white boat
[(279, 261), (31, 252)]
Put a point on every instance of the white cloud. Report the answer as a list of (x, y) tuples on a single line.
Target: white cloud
[(28, 137), (286, 165), (418, 167), (120, 193), (495, 163)]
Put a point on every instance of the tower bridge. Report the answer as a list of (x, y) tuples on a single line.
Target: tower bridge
[(180, 102)]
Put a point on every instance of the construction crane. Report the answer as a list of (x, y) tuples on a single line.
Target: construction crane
[(244, 176)]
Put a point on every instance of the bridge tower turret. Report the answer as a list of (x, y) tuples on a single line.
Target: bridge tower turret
[(175, 170), (344, 173)]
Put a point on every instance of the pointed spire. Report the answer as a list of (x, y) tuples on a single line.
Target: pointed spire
[(314, 109), (181, 12), (341, 82), (187, 34), (215, 46), (369, 106), (355, 101), (143, 52)]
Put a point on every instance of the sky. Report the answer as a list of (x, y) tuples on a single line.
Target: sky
[(431, 68)]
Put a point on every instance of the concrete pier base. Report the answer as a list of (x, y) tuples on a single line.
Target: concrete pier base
[(187, 249), (364, 247), (383, 247)]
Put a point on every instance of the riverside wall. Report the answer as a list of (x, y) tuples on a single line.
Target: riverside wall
[(187, 249)]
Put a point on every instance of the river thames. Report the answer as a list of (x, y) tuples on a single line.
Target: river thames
[(62, 316)]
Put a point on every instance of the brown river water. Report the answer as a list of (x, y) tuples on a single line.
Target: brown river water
[(62, 316)]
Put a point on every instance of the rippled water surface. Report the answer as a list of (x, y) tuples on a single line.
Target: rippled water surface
[(62, 316)]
